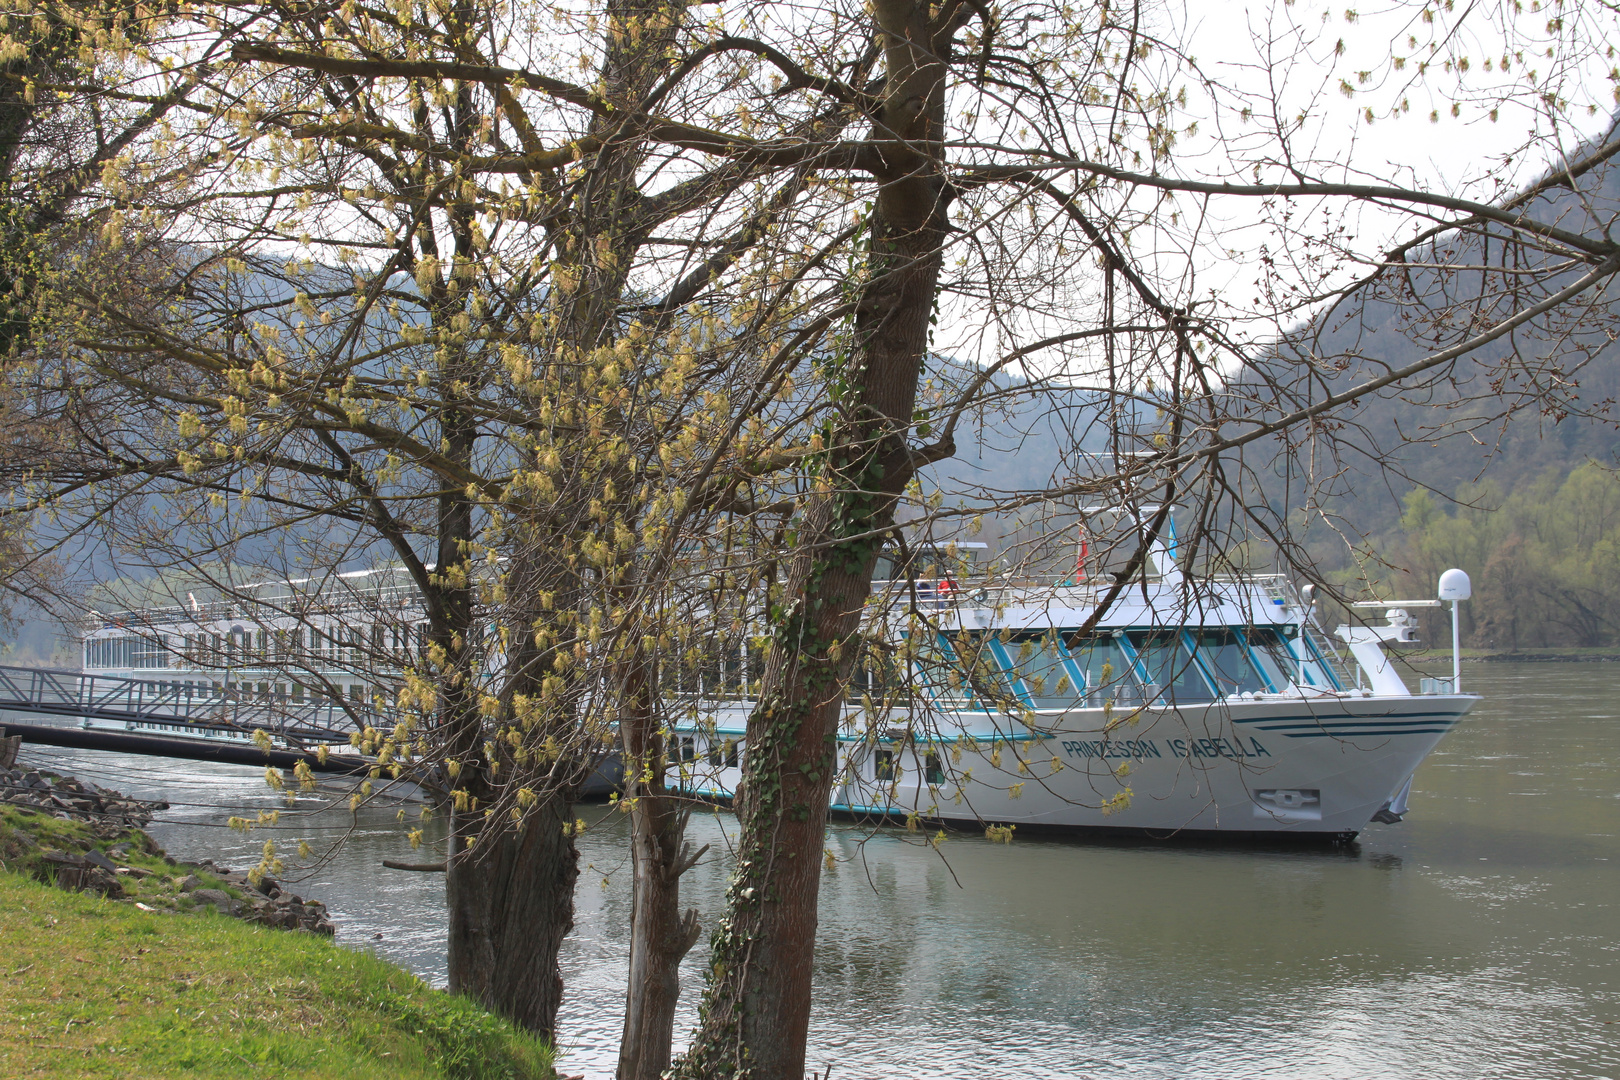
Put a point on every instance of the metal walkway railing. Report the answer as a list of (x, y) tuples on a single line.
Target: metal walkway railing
[(161, 705)]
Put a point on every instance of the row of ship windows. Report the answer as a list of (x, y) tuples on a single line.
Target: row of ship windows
[(377, 643), (1050, 670), (296, 693), (1055, 670), (976, 670), (725, 753)]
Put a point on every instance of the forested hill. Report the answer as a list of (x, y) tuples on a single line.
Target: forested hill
[(1522, 406)]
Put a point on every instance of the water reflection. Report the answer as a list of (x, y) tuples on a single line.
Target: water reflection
[(1477, 938)]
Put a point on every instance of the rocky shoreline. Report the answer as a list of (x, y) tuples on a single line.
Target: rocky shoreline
[(108, 813), (82, 837)]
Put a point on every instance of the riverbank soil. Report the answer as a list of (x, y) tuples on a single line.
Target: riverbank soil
[(90, 987)]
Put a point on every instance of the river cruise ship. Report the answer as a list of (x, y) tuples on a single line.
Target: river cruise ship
[(989, 702), (307, 657)]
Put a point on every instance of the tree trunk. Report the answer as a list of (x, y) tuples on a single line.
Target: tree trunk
[(756, 1008), (511, 904), (511, 894), (660, 934)]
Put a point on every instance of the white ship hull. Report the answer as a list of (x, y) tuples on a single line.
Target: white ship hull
[(1318, 766)]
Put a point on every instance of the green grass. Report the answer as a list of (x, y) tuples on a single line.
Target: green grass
[(92, 987)]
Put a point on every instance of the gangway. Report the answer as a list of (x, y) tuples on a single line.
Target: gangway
[(178, 708), (165, 719)]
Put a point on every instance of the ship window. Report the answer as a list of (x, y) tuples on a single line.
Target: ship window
[(933, 770), (1174, 677), (883, 764), (715, 668), (1042, 663), (877, 676), (1106, 669), (682, 748), (1272, 656), (723, 752), (1227, 662), (966, 673)]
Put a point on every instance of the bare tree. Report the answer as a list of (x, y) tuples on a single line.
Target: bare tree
[(474, 312)]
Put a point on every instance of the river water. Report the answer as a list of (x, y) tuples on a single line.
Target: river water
[(1478, 938)]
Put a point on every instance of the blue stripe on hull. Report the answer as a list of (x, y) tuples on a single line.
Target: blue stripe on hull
[(1362, 734)]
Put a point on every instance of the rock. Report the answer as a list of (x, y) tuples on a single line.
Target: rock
[(188, 883), (96, 857), (89, 879), (217, 897), (104, 882)]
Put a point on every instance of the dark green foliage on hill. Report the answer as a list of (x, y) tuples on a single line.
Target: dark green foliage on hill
[(1545, 558)]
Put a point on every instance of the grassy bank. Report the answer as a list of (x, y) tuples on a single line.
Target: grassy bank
[(91, 987)]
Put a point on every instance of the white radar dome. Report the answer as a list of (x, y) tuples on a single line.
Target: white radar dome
[(1454, 585)]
